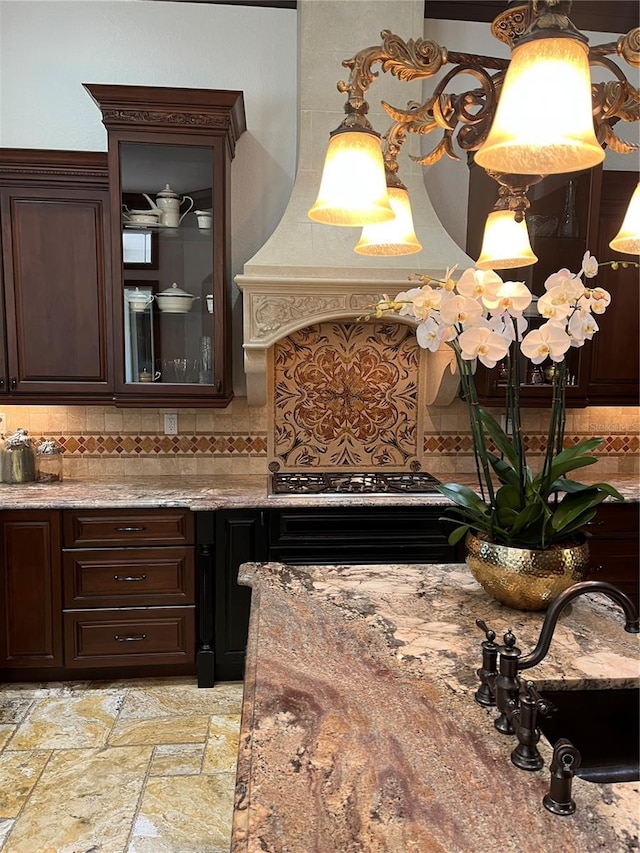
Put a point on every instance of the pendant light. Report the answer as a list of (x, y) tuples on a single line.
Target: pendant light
[(544, 118), (627, 240), (397, 236), (353, 188), (505, 244)]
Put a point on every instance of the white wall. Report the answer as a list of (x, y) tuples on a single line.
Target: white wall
[(48, 48)]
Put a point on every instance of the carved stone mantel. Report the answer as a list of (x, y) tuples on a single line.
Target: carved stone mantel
[(274, 307)]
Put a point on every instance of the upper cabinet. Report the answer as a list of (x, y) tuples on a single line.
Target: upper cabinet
[(56, 276), (570, 214), (169, 153)]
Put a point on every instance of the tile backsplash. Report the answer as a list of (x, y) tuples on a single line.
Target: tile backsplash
[(100, 441)]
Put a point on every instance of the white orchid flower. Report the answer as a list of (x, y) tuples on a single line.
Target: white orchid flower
[(429, 334), (558, 278), (503, 324), (448, 333), (550, 340), (581, 327), (589, 265), (482, 343), (479, 283), (403, 303), (460, 310), (427, 299), (559, 300), (514, 297)]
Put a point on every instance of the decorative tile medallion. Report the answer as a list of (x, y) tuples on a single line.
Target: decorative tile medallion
[(346, 395)]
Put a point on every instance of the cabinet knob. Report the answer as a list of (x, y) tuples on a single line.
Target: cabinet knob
[(1, 382), (13, 383)]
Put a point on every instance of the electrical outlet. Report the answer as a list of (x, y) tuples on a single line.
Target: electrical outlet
[(171, 424), (3, 422)]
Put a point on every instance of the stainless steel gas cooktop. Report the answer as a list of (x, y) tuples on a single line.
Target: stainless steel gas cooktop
[(338, 482)]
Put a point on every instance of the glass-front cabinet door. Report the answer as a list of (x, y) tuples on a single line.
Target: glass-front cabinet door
[(169, 159)]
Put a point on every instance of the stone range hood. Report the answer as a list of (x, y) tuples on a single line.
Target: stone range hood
[(306, 272)]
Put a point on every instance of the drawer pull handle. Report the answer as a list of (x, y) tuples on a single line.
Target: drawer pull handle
[(595, 523), (134, 639), (130, 578), (129, 529)]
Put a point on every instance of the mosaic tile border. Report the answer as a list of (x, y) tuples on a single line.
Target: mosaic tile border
[(243, 444), (614, 445), (120, 446)]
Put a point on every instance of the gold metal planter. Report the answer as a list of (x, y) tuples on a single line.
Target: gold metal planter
[(522, 578)]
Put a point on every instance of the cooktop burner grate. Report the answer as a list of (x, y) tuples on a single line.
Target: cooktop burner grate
[(337, 482)]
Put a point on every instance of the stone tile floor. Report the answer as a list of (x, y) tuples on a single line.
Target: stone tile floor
[(131, 766)]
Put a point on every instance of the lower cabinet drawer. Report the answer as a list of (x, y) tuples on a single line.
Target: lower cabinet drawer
[(129, 637), (126, 577)]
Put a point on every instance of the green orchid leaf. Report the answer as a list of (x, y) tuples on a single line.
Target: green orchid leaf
[(569, 486), (500, 438), (609, 490), (529, 515), (463, 496), (560, 468), (508, 497), (584, 446), (576, 525), (504, 471), (459, 533), (572, 506), (573, 487)]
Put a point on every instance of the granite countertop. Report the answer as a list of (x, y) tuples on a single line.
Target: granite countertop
[(210, 493), (360, 733)]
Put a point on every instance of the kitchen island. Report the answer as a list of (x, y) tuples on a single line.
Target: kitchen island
[(360, 733)]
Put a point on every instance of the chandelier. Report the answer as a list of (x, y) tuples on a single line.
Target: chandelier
[(534, 115)]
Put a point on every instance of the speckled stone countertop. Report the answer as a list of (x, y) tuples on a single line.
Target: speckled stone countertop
[(360, 733), (206, 493)]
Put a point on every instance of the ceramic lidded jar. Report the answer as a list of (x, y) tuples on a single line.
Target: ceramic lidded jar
[(175, 300)]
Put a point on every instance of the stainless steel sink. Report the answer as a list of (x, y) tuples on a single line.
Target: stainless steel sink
[(604, 725)]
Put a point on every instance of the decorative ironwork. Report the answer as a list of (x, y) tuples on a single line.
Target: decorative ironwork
[(466, 117)]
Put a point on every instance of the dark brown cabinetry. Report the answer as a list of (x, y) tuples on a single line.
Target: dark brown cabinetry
[(614, 547), (606, 369), (613, 356), (31, 589), (104, 592), (171, 146), (55, 336), (129, 588)]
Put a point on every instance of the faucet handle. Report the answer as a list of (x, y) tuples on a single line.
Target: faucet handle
[(489, 634), (509, 639), (543, 706)]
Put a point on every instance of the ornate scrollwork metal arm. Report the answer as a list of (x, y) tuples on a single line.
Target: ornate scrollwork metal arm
[(467, 116)]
